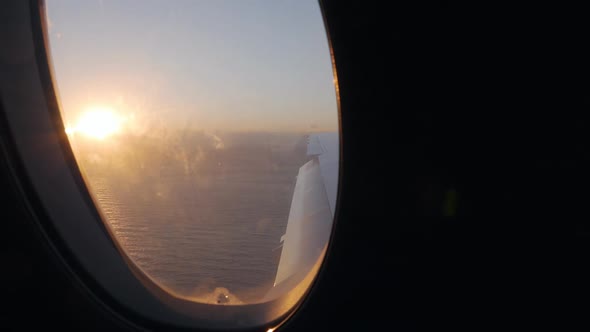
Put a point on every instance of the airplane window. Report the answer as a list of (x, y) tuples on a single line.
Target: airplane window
[(207, 135)]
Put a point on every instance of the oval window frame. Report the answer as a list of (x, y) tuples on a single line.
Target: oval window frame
[(65, 213)]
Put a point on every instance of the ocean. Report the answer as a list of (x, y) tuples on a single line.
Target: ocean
[(197, 211)]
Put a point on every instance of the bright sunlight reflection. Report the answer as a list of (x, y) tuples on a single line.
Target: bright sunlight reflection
[(97, 122)]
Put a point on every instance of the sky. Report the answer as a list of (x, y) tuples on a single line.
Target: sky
[(212, 65)]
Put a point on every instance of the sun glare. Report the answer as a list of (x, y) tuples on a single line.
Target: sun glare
[(97, 122)]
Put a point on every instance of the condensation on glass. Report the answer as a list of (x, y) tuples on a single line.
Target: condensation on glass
[(207, 134)]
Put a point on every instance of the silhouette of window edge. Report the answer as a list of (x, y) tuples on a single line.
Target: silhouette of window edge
[(67, 253)]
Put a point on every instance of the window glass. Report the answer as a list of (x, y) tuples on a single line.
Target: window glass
[(207, 134)]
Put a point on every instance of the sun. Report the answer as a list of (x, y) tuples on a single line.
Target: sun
[(97, 122)]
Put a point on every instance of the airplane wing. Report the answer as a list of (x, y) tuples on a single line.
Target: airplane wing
[(312, 210)]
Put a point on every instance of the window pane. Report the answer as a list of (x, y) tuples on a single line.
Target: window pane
[(206, 132)]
